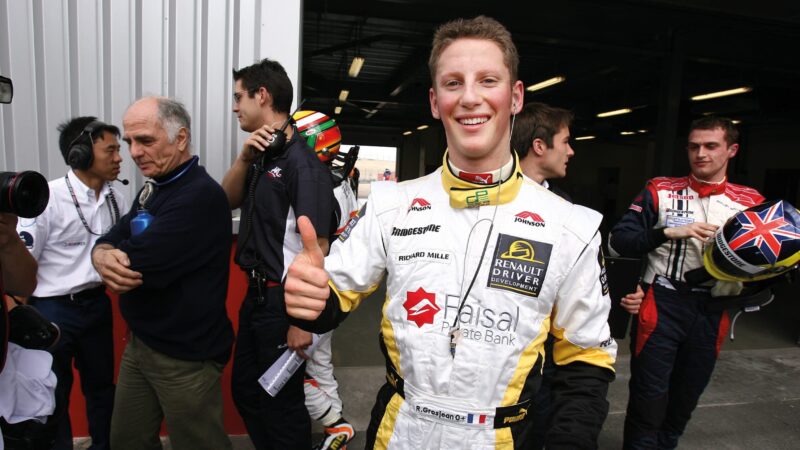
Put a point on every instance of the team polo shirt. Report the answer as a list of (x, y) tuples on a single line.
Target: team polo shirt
[(59, 241), (294, 183)]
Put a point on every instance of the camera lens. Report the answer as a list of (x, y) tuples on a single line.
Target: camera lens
[(23, 193)]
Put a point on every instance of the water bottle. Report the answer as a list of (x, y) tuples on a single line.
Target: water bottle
[(141, 222)]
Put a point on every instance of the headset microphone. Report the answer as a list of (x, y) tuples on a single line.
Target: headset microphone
[(123, 181)]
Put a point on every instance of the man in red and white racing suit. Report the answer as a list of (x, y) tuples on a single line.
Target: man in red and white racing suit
[(675, 341), (480, 264)]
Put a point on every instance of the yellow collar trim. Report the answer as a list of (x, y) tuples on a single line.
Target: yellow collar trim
[(464, 194)]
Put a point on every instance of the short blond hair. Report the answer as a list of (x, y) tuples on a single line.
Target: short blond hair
[(480, 27)]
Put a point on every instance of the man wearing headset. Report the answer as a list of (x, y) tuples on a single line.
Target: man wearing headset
[(480, 264), (274, 182), (83, 206)]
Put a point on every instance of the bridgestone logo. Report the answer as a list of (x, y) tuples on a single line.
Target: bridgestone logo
[(416, 230), (723, 247)]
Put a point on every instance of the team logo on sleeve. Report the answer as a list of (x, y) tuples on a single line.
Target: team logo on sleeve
[(352, 223), (421, 306), (636, 205), (519, 265), (601, 260)]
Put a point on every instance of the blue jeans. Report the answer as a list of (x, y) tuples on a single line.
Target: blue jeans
[(86, 337)]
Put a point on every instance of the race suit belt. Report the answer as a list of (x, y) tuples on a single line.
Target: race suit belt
[(452, 412)]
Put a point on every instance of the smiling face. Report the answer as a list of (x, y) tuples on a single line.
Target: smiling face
[(149, 143), (709, 153), (473, 94)]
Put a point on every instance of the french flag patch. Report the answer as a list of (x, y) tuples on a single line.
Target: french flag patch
[(476, 418)]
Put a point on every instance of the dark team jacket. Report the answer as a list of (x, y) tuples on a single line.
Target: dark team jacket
[(184, 258), (294, 183)]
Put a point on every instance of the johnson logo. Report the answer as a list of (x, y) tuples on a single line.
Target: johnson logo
[(680, 197), (529, 218), (421, 306), (419, 204)]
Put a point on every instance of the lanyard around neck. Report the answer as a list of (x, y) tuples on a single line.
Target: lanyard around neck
[(112, 204)]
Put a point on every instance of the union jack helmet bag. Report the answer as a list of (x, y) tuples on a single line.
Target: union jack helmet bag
[(755, 244), (320, 132)]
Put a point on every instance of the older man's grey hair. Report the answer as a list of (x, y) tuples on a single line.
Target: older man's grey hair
[(173, 116)]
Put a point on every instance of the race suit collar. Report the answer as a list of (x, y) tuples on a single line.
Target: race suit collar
[(705, 188), (466, 194)]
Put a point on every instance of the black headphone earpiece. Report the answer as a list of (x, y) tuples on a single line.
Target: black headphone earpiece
[(80, 153)]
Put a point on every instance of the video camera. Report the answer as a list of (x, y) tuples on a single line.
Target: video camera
[(22, 193)]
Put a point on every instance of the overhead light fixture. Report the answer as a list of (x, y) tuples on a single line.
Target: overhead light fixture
[(337, 110), (545, 83), (584, 138), (355, 66), (406, 133), (642, 131), (343, 95), (627, 133), (615, 112), (736, 122), (740, 90), (422, 127)]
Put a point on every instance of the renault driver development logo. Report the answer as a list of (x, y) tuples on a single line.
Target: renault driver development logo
[(421, 306), (519, 265)]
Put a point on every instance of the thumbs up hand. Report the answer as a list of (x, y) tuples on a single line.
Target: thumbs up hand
[(306, 287)]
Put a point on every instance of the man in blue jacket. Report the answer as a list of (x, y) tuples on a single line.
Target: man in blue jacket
[(168, 258)]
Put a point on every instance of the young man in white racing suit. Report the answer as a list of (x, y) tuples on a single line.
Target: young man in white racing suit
[(480, 264)]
